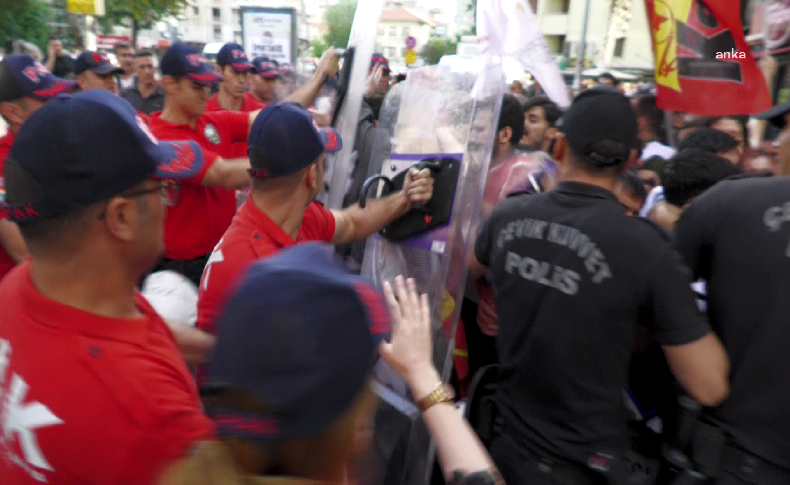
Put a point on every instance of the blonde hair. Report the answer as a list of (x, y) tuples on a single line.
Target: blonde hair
[(232, 461)]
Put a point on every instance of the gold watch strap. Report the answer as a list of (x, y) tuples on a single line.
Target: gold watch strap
[(441, 393)]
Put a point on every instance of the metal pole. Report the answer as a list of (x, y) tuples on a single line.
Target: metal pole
[(577, 81)]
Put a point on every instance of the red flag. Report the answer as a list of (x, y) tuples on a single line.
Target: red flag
[(703, 64)]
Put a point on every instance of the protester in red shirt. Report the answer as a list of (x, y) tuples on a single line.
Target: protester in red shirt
[(287, 157), (25, 86), (206, 204), (235, 69), (94, 389)]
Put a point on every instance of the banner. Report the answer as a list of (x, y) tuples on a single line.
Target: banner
[(86, 7), (109, 41), (509, 28), (703, 63), (269, 32)]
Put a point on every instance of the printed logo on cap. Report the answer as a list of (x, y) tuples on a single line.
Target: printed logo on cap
[(195, 59), (100, 58), (211, 134), (237, 54), (331, 140), (35, 72)]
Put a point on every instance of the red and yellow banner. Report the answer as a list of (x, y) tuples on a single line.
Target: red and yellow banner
[(703, 64)]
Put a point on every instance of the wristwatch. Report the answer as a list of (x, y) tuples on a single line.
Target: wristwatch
[(441, 393)]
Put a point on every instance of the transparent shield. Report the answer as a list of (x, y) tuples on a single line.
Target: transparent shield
[(434, 114)]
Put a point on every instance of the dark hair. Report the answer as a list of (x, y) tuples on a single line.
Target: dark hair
[(646, 107), (741, 119), (633, 184), (608, 76), (51, 38), (551, 111), (692, 172), (121, 45), (144, 53), (709, 140), (512, 116)]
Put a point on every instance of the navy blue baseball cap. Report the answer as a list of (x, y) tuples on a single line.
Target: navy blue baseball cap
[(96, 62), (233, 55), (299, 336), (287, 70), (267, 68), (21, 76), (289, 140), (186, 60), (82, 149)]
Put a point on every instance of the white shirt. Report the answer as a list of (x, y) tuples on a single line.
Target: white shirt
[(654, 197), (655, 148)]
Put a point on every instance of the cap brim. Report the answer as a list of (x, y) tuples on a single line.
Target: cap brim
[(208, 77), (56, 88), (270, 75), (776, 115), (331, 140), (107, 69), (242, 67), (178, 160)]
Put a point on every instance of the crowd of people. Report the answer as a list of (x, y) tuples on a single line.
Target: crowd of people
[(628, 257)]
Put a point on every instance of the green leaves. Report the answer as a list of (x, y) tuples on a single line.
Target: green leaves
[(24, 19)]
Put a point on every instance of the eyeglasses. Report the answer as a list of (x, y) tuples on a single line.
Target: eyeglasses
[(168, 192)]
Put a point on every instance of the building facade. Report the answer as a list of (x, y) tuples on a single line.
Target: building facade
[(618, 33), (395, 26)]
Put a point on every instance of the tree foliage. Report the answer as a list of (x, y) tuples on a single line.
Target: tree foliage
[(437, 47), (142, 14), (27, 20), (338, 20)]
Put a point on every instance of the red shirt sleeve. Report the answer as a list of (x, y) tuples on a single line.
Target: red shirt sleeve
[(234, 125), (318, 224)]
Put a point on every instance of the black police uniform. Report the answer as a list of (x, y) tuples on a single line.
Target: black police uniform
[(736, 236), (572, 276)]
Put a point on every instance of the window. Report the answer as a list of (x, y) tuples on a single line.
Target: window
[(381, 32), (556, 6), (236, 14), (215, 12), (405, 32), (195, 11), (403, 52), (217, 33), (555, 43), (619, 47), (393, 31)]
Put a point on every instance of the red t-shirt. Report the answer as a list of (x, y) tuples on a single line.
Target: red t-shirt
[(251, 236), (90, 399), (248, 105), (6, 263), (196, 223)]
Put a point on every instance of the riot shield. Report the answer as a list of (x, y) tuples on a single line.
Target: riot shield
[(353, 80), (445, 120)]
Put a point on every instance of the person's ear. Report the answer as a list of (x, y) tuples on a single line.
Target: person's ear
[(12, 112), (311, 177), (560, 148), (551, 133), (82, 80), (169, 84), (218, 69), (121, 217)]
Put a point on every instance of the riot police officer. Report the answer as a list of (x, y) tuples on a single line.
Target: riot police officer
[(572, 275), (735, 236)]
